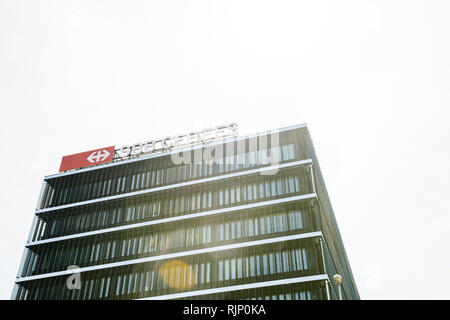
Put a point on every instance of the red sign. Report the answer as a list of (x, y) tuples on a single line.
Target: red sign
[(87, 159)]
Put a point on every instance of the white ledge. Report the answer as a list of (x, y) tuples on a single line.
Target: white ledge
[(238, 287), (176, 218), (172, 255), (177, 185)]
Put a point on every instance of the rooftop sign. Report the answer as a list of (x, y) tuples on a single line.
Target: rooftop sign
[(105, 155), (168, 143), (87, 158)]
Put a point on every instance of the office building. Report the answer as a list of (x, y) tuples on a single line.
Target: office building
[(251, 223)]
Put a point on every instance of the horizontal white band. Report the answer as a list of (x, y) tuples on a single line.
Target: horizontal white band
[(253, 285), (173, 255), (176, 185), (177, 218)]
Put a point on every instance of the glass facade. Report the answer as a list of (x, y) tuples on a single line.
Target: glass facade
[(149, 228), (313, 290)]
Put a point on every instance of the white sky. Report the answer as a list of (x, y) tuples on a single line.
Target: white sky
[(371, 79)]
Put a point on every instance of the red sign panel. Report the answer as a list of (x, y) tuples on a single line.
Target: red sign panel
[(87, 159)]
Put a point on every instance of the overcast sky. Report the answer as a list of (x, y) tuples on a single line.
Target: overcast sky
[(370, 78)]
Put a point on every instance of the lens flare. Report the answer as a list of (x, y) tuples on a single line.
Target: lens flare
[(177, 274)]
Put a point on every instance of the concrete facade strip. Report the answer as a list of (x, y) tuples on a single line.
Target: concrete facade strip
[(173, 255), (176, 185), (175, 219)]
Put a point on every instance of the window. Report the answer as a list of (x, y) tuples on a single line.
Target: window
[(239, 268), (208, 271), (272, 263), (227, 269), (252, 266), (220, 270), (233, 268)]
